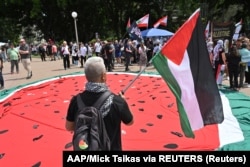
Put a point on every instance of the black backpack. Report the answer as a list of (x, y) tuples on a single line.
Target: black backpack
[(90, 133)]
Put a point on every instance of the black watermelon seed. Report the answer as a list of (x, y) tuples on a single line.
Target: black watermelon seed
[(56, 111), (143, 130), (37, 138), (141, 109), (3, 131), (35, 126), (159, 116), (171, 105), (149, 124), (2, 155), (177, 134), (7, 104), (171, 146), (141, 101), (37, 164), (163, 91), (68, 145)]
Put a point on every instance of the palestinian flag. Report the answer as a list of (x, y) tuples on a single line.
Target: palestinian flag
[(128, 24), (184, 65)]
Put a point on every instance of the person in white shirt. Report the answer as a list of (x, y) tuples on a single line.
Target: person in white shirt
[(143, 56), (89, 50), (82, 54), (98, 47), (65, 53)]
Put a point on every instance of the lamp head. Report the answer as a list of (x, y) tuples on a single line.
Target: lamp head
[(74, 14)]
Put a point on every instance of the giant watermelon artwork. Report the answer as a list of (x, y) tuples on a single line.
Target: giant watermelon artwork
[(32, 120)]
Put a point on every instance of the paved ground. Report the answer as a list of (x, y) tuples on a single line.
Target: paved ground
[(42, 70)]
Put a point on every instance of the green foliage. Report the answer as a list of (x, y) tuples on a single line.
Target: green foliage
[(36, 8), (107, 17)]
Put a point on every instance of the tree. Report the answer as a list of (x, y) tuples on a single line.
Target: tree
[(107, 17)]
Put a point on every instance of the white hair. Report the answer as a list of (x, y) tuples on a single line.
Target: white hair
[(94, 68)]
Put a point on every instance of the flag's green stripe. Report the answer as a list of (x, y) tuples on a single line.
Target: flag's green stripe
[(161, 64)]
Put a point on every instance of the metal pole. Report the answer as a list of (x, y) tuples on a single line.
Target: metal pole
[(77, 42), (131, 82)]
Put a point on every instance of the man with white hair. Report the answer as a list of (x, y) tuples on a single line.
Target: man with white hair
[(114, 110)]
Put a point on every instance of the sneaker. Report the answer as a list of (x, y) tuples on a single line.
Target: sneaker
[(1, 87)]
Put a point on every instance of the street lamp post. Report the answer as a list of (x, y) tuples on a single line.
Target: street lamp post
[(74, 15)]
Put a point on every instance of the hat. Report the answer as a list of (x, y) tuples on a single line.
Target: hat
[(22, 40)]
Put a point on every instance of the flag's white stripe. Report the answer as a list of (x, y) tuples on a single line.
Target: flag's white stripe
[(229, 129), (184, 77)]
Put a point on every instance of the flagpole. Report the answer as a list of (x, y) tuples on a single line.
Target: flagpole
[(212, 27), (131, 82), (124, 35)]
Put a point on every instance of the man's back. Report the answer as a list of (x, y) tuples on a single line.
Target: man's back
[(115, 113)]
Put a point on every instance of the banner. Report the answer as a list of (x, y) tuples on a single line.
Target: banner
[(223, 31)]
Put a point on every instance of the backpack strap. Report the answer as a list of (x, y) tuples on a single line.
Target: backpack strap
[(97, 104), (102, 99)]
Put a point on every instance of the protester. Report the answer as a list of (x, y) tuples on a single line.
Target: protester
[(245, 54), (115, 109), (108, 51), (49, 50), (66, 54), (54, 51), (82, 54), (13, 55), (42, 51), (233, 61), (128, 53), (24, 52), (210, 49), (1, 73), (219, 62), (143, 56), (118, 52), (97, 47)]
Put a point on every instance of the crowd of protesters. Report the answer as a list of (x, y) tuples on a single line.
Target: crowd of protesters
[(231, 61), (116, 53), (226, 60)]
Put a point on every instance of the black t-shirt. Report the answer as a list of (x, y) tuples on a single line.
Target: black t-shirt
[(119, 112), (221, 50), (49, 49), (107, 50), (24, 47)]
